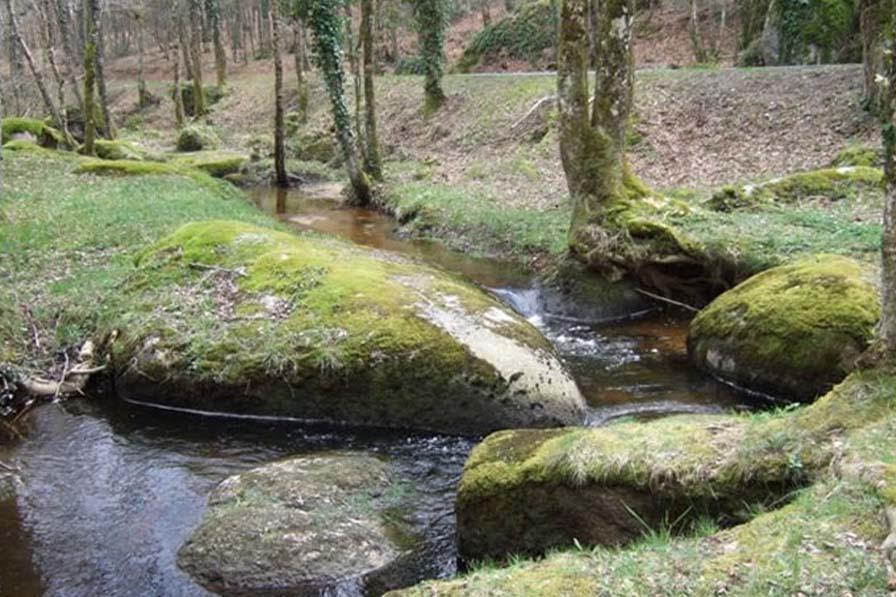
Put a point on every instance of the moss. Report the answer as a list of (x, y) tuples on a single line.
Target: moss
[(672, 472), (213, 95), (45, 135), (857, 155), (237, 316), (195, 138), (814, 31), (25, 146), (133, 168), (791, 331), (523, 34), (830, 184), (117, 150), (215, 163)]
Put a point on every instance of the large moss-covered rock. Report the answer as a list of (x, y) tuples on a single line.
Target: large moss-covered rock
[(304, 526), (30, 129), (527, 491), (792, 331), (117, 150), (227, 316), (195, 138), (216, 163)]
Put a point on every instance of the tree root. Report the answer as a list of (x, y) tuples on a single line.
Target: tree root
[(72, 381)]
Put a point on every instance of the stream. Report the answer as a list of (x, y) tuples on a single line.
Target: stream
[(109, 490)]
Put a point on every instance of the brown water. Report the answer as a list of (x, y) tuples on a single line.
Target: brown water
[(109, 491)]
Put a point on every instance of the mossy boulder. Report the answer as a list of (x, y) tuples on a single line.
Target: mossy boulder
[(219, 164), (117, 150), (226, 316), (30, 129), (792, 331), (528, 491), (304, 526), (827, 184), (527, 33), (196, 138)]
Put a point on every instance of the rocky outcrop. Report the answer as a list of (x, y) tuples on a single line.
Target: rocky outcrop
[(792, 331), (306, 526), (227, 316)]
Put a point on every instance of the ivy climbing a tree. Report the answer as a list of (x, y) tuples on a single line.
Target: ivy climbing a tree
[(431, 22), (887, 82), (325, 22)]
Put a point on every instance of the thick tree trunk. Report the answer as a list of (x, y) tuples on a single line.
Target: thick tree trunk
[(32, 66), (301, 81), (279, 146), (888, 237), (196, 55), (326, 25), (372, 140), (431, 22), (91, 9), (101, 73)]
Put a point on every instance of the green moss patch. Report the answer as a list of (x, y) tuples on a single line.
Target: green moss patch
[(118, 150), (820, 539), (524, 34), (215, 163), (791, 331), (44, 135)]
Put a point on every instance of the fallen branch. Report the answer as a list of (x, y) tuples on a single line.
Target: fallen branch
[(535, 107), (72, 380), (667, 300)]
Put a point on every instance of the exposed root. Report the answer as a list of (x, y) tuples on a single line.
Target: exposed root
[(71, 382)]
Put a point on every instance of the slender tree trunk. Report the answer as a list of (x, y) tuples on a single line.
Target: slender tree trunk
[(196, 52), (326, 25), (142, 95), (696, 35), (178, 95), (372, 154), (354, 65), (63, 21), (16, 73), (431, 22), (280, 177), (214, 17), (486, 13), (888, 237), (101, 74), (29, 59), (91, 10), (301, 82), (184, 43), (45, 12)]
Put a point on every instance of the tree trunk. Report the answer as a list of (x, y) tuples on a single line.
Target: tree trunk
[(696, 36), (888, 237), (142, 95), (372, 154), (431, 21), (101, 73), (486, 13), (327, 28), (279, 147), (184, 43), (69, 49), (871, 19), (592, 147), (91, 9), (196, 54), (29, 59), (44, 12), (354, 65), (214, 17), (178, 96), (301, 81)]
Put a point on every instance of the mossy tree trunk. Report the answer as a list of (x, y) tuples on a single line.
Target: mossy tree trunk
[(871, 18), (279, 146), (592, 142), (213, 10), (89, 107), (45, 12), (142, 95), (69, 48), (178, 96), (326, 25), (372, 154), (15, 31), (355, 66), (888, 240), (431, 22), (100, 60), (196, 57), (301, 80)]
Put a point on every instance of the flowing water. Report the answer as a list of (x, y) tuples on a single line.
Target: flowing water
[(109, 491)]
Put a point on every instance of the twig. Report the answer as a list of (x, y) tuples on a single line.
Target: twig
[(8, 467), (667, 300), (533, 109), (26, 311)]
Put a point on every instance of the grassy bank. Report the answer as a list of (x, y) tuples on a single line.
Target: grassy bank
[(69, 240)]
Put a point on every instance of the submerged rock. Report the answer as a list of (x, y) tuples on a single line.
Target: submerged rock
[(792, 331), (227, 316), (304, 526)]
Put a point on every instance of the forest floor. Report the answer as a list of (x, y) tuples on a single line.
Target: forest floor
[(484, 173)]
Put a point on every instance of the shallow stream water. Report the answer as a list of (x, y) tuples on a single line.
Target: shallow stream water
[(109, 491)]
